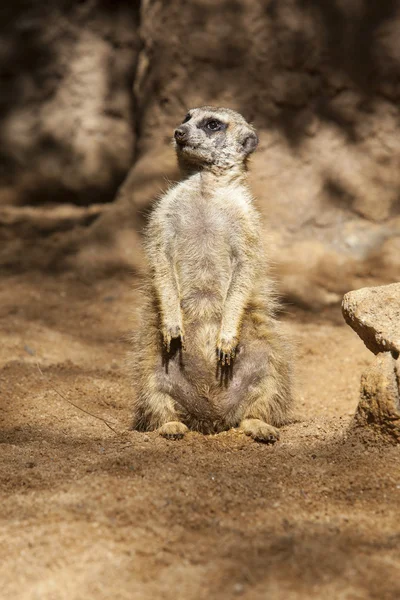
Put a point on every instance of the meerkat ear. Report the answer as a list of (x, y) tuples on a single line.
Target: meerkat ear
[(250, 143)]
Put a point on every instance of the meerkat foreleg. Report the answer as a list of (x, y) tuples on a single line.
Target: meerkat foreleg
[(234, 306), (166, 284)]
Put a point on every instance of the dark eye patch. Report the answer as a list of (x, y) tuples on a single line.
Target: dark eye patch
[(187, 118), (212, 125)]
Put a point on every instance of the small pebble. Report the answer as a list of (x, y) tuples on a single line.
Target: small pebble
[(238, 588)]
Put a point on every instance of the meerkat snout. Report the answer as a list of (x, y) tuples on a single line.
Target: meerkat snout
[(180, 135)]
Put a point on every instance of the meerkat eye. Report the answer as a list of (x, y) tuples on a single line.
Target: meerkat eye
[(187, 118), (214, 125)]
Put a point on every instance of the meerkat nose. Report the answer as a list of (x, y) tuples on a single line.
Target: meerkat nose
[(180, 135)]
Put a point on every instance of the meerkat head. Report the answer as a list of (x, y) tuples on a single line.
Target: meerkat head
[(214, 137)]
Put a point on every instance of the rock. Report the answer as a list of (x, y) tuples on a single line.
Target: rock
[(374, 313), (379, 407), (87, 87), (66, 112)]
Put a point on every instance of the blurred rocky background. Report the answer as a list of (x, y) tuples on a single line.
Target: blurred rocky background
[(92, 89)]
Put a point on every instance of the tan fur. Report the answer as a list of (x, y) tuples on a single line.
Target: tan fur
[(209, 353)]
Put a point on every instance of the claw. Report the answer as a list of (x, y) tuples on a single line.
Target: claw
[(225, 358), (226, 349), (170, 334)]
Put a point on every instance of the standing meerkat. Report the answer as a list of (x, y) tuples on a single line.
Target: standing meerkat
[(210, 354)]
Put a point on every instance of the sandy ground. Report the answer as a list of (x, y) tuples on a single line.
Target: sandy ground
[(87, 512)]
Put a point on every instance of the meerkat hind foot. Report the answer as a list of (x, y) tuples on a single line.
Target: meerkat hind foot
[(260, 431), (173, 430)]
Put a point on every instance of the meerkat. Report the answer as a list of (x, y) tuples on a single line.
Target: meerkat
[(210, 354)]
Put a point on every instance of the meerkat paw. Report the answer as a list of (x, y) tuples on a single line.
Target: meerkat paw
[(260, 431), (174, 332), (173, 430), (226, 348)]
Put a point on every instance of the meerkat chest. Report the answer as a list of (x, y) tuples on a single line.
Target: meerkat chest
[(204, 225), (207, 224), (204, 251)]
